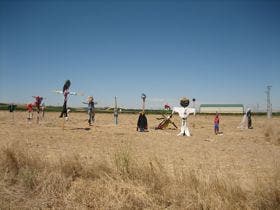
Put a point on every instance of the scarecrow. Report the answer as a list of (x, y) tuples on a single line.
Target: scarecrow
[(90, 109), (37, 105), (65, 91), (12, 108), (184, 112), (142, 123), (246, 122), (29, 108)]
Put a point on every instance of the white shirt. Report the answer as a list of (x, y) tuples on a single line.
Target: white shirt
[(183, 112)]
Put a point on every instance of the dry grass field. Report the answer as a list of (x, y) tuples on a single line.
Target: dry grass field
[(114, 167)]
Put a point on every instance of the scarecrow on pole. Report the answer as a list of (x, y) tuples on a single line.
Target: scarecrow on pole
[(142, 123), (91, 112), (184, 112), (37, 105), (65, 91)]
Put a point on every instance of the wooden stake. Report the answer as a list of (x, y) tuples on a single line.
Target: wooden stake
[(63, 123)]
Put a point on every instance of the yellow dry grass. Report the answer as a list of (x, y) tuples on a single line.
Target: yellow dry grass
[(114, 167)]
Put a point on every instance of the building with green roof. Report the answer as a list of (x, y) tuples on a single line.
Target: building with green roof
[(222, 108)]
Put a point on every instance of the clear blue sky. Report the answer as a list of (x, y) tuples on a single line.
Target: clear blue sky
[(214, 51)]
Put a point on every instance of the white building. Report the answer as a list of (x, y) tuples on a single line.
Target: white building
[(222, 108)]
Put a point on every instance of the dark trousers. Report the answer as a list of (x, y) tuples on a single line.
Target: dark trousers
[(64, 109), (249, 122), (91, 115)]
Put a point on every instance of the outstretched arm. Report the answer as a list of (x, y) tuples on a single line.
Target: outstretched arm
[(73, 93), (191, 111), (58, 91), (175, 109)]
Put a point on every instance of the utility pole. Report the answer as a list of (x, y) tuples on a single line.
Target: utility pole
[(116, 111), (269, 105)]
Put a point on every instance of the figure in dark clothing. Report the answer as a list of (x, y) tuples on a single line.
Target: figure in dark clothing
[(37, 103), (142, 124), (249, 118), (64, 109), (11, 107), (246, 122), (66, 93)]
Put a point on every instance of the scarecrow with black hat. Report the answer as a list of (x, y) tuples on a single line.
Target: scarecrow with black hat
[(184, 112)]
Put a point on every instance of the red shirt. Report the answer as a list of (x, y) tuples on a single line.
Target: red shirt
[(29, 107), (216, 120)]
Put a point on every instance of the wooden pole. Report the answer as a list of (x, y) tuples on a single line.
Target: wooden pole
[(143, 96), (63, 123), (143, 105)]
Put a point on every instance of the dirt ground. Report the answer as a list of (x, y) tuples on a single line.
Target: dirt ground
[(245, 155)]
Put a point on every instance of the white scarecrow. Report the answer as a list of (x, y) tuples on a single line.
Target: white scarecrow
[(246, 122), (184, 112)]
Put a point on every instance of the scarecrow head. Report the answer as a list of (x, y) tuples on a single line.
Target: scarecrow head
[(90, 99), (184, 102)]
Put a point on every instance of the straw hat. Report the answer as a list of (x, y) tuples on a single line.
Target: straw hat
[(90, 98)]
